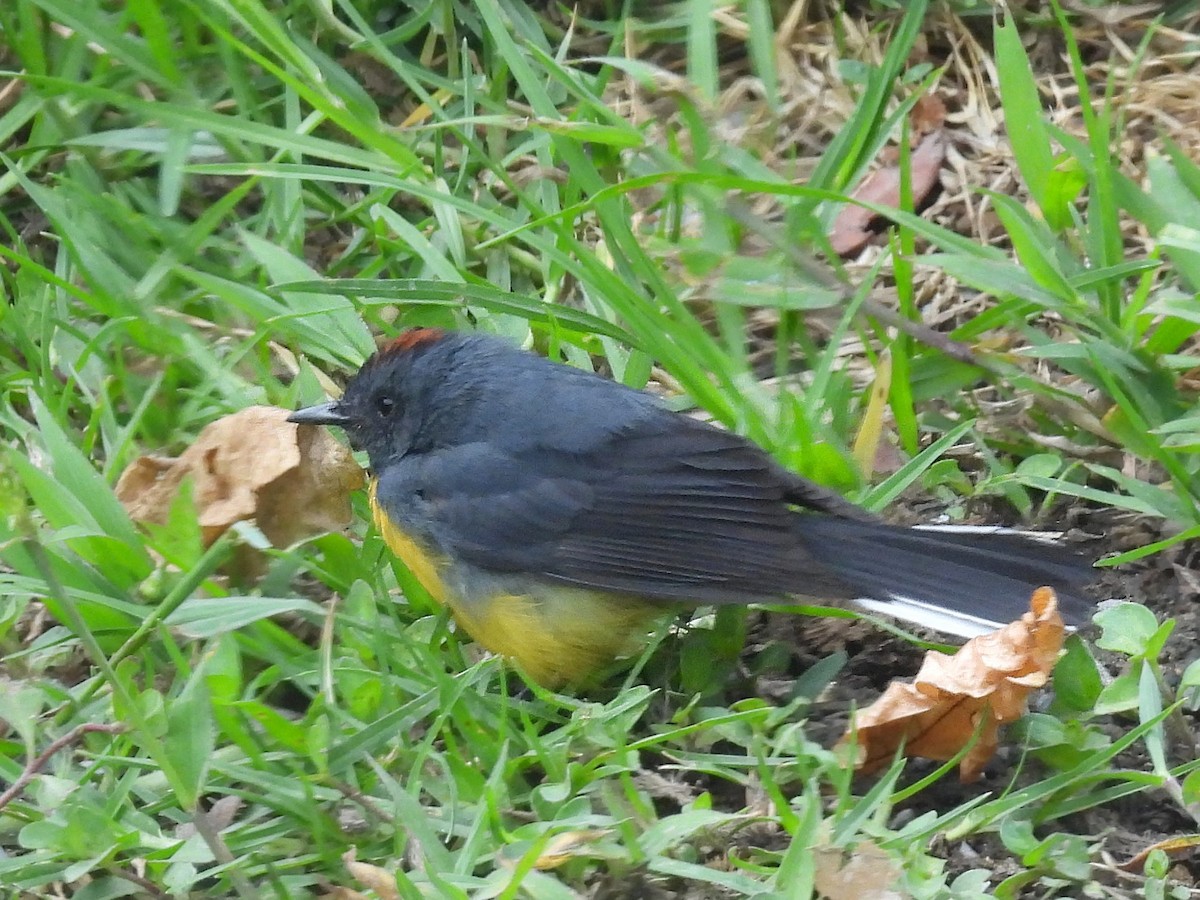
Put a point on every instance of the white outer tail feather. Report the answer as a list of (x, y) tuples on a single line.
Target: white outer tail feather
[(937, 618), (1045, 537)]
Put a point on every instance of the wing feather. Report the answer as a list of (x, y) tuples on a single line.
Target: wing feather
[(666, 509)]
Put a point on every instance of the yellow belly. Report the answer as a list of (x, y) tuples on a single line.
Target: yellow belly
[(560, 635), (556, 634)]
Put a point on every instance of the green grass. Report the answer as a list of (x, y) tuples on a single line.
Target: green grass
[(205, 204)]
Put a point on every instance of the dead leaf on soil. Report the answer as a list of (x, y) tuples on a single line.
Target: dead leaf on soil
[(981, 687), (865, 872), (928, 114), (1172, 846), (852, 228), (293, 481), (374, 878)]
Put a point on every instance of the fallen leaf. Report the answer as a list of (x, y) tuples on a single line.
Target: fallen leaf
[(566, 845), (864, 872), (852, 228), (928, 114), (374, 878), (981, 687), (558, 849), (1173, 846), (292, 481)]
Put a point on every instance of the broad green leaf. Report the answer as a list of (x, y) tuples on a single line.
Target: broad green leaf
[(1126, 628)]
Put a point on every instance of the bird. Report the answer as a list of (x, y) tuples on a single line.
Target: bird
[(558, 513)]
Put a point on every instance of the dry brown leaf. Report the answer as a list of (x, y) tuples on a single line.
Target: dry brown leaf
[(928, 114), (982, 686), (865, 872), (567, 845), (291, 480), (373, 878), (1172, 846), (852, 228), (559, 849)]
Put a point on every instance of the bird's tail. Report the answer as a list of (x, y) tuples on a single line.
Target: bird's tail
[(958, 581)]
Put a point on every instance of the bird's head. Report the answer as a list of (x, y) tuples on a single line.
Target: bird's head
[(398, 402)]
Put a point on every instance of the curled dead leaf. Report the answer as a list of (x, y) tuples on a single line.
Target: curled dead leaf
[(1172, 846), (567, 844), (984, 685), (292, 481), (374, 878), (558, 849)]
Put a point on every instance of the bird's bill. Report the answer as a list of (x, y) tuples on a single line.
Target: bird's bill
[(322, 414)]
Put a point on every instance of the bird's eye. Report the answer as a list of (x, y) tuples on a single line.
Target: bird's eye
[(384, 405)]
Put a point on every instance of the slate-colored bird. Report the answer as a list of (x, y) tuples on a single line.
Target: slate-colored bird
[(558, 513)]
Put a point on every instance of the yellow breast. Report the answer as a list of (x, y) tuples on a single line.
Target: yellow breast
[(425, 566), (557, 634)]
